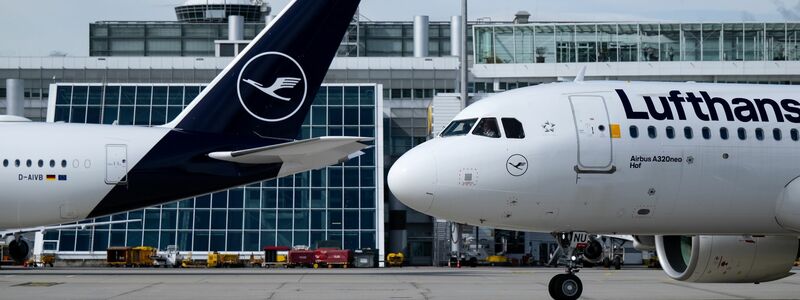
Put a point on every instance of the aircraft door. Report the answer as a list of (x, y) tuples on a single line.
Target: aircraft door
[(594, 133), (116, 164)]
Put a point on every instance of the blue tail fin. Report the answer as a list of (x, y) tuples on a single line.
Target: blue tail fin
[(267, 90)]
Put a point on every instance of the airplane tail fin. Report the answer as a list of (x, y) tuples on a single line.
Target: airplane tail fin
[(268, 88)]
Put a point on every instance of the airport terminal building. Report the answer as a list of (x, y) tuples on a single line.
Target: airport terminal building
[(381, 85)]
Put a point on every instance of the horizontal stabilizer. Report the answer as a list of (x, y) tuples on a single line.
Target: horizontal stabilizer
[(301, 155)]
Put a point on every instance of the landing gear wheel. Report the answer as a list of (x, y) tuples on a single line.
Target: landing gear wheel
[(617, 263), (565, 287)]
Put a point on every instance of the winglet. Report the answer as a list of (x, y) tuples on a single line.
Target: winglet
[(581, 74)]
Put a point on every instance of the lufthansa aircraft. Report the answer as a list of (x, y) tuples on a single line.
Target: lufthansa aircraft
[(706, 174), (241, 129)]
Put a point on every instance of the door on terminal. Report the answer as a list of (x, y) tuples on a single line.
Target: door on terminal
[(116, 164), (594, 132)]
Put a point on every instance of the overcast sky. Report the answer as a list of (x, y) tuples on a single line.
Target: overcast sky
[(39, 27)]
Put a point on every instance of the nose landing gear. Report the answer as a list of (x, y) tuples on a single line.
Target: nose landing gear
[(571, 245)]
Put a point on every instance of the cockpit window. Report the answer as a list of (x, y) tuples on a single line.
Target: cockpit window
[(513, 128), (459, 127), (487, 127)]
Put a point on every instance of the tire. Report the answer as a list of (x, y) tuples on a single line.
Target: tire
[(617, 263), (606, 263), (565, 287)]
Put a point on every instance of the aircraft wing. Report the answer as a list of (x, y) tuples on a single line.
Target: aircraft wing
[(300, 155), (57, 227)]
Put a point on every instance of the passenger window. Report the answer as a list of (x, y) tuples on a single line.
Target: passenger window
[(64, 163), (670, 132), (513, 128), (460, 127), (687, 132), (41, 163), (742, 133), (706, 133), (52, 163), (651, 131), (29, 163), (487, 127), (5, 163), (634, 131), (795, 134), (723, 133), (16, 163), (777, 134), (759, 134)]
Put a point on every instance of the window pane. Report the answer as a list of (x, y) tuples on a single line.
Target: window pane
[(670, 132), (706, 133), (776, 134), (759, 134), (742, 133), (513, 128), (651, 131), (723, 133), (487, 127), (633, 129), (687, 132)]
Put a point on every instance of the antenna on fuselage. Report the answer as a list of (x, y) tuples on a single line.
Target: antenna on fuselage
[(581, 74)]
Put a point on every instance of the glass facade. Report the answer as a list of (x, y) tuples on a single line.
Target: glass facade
[(370, 39), (627, 42), (341, 202)]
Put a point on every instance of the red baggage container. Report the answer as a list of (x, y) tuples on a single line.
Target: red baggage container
[(301, 258), (333, 257)]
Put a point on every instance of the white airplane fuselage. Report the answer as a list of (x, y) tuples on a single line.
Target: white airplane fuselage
[(585, 172)]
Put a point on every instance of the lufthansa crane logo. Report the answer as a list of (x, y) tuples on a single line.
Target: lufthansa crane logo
[(272, 86), (517, 165)]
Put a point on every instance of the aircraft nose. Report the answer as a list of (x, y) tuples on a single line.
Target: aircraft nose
[(412, 179)]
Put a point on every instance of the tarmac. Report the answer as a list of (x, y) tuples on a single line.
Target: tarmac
[(386, 283)]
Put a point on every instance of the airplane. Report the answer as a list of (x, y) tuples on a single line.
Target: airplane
[(232, 134), (705, 174)]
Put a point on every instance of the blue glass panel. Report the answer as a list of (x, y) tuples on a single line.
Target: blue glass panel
[(367, 219), (350, 198), (269, 198), (201, 241), (63, 95), (301, 219), (367, 177), (100, 242), (109, 115), (367, 198), (191, 93), (185, 219), (334, 219), (351, 116), (160, 95), (95, 95), (134, 238), (142, 116), (335, 95), (318, 178), (150, 239), (251, 242), (285, 198), (319, 115), (301, 198), (151, 219), (285, 238), (144, 95), (334, 176), (83, 240), (159, 115), (268, 238), (367, 116), (202, 218), (218, 219), (316, 237), (128, 95), (62, 114), (335, 198), (322, 96), (317, 219), (235, 219), (236, 198), (79, 95), (118, 238), (252, 198), (251, 219), (175, 96), (78, 115), (234, 241), (367, 95), (217, 241), (351, 95), (203, 201), (135, 215), (318, 198), (220, 200), (169, 219), (111, 95), (301, 238), (268, 219), (93, 115), (188, 203), (334, 116), (351, 176), (368, 240), (351, 219), (167, 239), (284, 219), (184, 241), (351, 240), (173, 112), (126, 115)]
